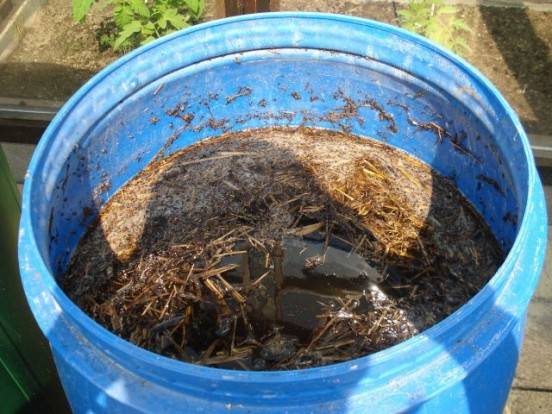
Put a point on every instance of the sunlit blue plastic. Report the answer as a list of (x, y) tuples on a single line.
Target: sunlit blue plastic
[(114, 125)]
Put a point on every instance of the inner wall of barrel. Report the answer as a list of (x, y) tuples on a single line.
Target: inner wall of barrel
[(292, 87)]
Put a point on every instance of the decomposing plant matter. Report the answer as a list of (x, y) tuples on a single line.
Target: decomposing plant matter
[(280, 248)]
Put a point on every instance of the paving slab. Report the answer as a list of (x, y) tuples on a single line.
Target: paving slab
[(532, 389), (535, 366), (529, 402)]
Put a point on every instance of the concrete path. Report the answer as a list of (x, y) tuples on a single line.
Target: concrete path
[(532, 389)]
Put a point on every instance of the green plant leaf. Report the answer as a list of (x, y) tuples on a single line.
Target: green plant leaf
[(165, 15), (80, 9), (411, 27), (436, 32), (147, 40), (201, 8), (460, 24), (148, 29), (139, 7), (159, 8), (177, 20), (196, 7), (122, 15), (193, 5), (406, 14), (447, 10), (420, 8), (133, 27), (141, 21), (105, 40), (162, 23)]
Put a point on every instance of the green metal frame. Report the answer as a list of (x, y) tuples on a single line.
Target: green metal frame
[(28, 378)]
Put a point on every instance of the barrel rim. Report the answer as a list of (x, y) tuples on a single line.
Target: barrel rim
[(29, 251)]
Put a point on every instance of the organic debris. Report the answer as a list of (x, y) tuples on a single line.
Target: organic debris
[(280, 248)]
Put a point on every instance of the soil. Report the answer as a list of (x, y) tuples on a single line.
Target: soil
[(280, 248), (511, 46), (56, 56)]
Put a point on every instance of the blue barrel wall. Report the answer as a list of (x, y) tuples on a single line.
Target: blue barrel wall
[(287, 69)]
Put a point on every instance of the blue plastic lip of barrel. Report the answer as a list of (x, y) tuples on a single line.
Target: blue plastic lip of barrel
[(31, 254)]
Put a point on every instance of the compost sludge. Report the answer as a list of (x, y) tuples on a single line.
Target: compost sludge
[(280, 248)]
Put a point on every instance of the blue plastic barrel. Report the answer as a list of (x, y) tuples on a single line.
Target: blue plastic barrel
[(287, 69)]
